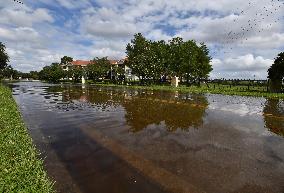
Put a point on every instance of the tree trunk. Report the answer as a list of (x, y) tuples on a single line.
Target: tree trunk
[(187, 80), (199, 84), (275, 86), (207, 84)]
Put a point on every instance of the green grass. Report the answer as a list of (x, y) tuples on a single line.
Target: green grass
[(255, 91), (21, 170)]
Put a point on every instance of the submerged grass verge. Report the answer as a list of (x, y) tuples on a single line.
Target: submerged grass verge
[(21, 170), (225, 90)]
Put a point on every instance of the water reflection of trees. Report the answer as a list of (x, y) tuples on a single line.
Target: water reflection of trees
[(143, 108), (273, 113), (174, 112), (99, 97)]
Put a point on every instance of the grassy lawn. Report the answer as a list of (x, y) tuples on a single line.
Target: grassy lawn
[(255, 91), (20, 168)]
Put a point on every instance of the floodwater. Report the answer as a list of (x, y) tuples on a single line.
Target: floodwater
[(115, 140)]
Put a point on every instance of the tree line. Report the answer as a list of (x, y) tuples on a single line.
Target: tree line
[(158, 60), (151, 61), (98, 69)]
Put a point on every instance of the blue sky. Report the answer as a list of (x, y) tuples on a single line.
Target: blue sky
[(243, 36)]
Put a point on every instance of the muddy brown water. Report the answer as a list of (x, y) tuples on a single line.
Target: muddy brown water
[(115, 140)]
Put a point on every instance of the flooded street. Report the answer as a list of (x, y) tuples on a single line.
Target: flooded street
[(117, 140)]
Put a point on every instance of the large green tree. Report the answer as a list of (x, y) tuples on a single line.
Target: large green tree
[(118, 72), (151, 60), (157, 57), (189, 60), (147, 59), (276, 73), (137, 53), (75, 72), (34, 75), (10, 72), (175, 57), (99, 69), (66, 59), (202, 66), (52, 73), (4, 58)]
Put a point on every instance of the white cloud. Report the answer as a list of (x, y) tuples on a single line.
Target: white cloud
[(21, 34), (24, 18), (242, 63), (110, 53), (68, 4), (247, 66), (36, 33), (158, 34), (104, 22), (74, 4), (40, 58), (268, 41)]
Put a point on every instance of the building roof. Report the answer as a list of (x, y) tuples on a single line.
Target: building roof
[(81, 63), (87, 62)]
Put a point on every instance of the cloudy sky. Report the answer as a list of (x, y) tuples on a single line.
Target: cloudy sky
[(244, 36)]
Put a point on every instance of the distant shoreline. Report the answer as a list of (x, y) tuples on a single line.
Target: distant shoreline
[(225, 90), (219, 89)]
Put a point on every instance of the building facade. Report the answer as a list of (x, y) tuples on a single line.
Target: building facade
[(127, 72)]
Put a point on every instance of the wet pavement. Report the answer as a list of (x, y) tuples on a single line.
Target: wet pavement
[(112, 140)]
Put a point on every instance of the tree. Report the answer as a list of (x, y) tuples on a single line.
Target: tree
[(276, 73), (34, 75), (76, 73), (188, 60), (23, 75), (175, 56), (137, 52), (147, 59), (118, 71), (99, 69), (9, 72), (4, 58), (157, 60), (66, 59), (203, 66), (151, 60), (52, 73)]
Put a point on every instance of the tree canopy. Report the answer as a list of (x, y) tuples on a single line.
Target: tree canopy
[(99, 69), (66, 59), (276, 73), (151, 60), (52, 73), (4, 58), (137, 52)]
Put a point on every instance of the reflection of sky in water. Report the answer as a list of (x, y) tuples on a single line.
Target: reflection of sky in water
[(236, 104)]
